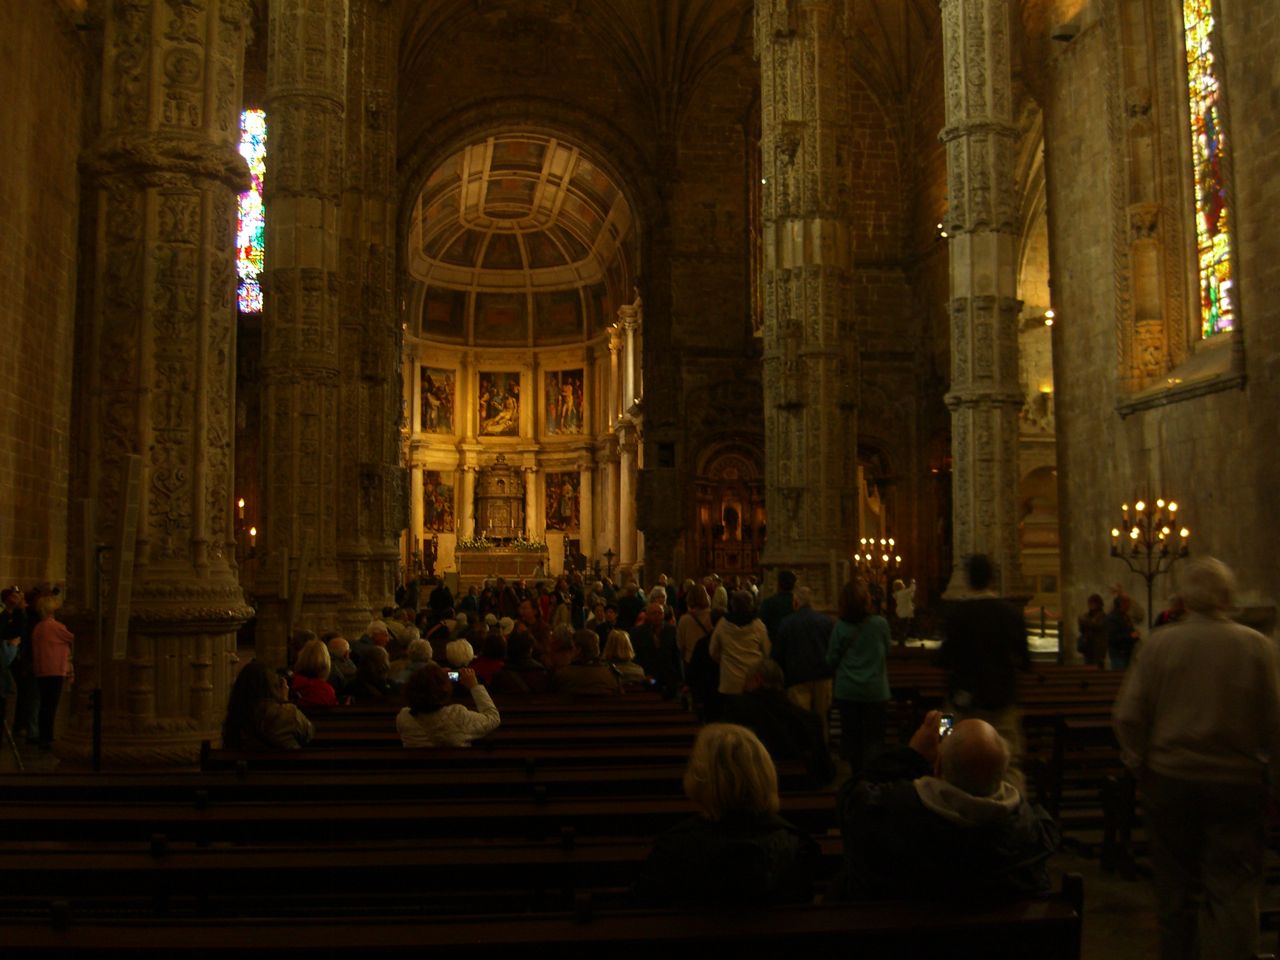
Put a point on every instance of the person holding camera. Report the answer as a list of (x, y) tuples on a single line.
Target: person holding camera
[(431, 719), (940, 818)]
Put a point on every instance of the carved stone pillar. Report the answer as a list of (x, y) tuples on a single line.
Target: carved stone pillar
[(614, 394), (610, 506), (586, 525), (628, 317), (416, 511), (531, 503), (810, 346), (468, 502), (985, 395), (301, 365), (626, 495), (370, 388), (162, 180)]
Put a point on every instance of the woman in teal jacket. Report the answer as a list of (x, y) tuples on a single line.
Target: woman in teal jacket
[(858, 650)]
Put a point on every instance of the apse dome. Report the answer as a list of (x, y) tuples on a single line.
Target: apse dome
[(519, 239)]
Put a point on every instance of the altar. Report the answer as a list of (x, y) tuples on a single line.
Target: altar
[(475, 566)]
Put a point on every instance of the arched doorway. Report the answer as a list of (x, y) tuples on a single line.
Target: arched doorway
[(730, 509)]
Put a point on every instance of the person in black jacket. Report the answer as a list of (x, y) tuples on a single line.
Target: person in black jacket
[(737, 850), (938, 819)]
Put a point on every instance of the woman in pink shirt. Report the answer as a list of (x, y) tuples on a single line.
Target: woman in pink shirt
[(51, 659)]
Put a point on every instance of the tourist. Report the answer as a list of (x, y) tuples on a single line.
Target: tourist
[(775, 609), (419, 655), (620, 654), (342, 671), (801, 651), (657, 651), (431, 719), (983, 648), (738, 643), (1092, 641), (587, 674), (51, 647), (492, 659), (1122, 635), (259, 716), (1198, 721), (737, 850), (310, 683), (373, 676), (521, 673), (940, 819), (789, 732), (693, 636), (375, 635), (858, 650)]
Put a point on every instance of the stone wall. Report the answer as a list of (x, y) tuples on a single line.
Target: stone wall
[(1211, 452), (39, 198)]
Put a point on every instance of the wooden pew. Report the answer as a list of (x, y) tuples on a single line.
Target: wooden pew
[(1049, 929)]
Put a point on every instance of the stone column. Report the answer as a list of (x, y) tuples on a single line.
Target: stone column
[(370, 389), (626, 495), (468, 502), (811, 364), (985, 395), (301, 362), (586, 521), (159, 352), (613, 400), (610, 506), (416, 512), (530, 503), (629, 319)]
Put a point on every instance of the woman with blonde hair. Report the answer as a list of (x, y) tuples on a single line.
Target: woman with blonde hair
[(737, 849), (621, 655), (310, 684)]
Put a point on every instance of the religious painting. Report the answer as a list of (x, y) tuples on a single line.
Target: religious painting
[(562, 501), (437, 400), (437, 502), (557, 316), (563, 397), (499, 404)]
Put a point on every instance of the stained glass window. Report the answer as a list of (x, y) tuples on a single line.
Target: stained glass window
[(1209, 158), (252, 222)]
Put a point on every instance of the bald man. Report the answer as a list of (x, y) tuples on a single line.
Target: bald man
[(940, 818)]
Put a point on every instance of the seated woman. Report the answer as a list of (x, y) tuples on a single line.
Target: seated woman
[(310, 683), (737, 850), (259, 716), (493, 655), (432, 720), (621, 655), (459, 653)]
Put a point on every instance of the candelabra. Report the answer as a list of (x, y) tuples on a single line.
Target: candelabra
[(877, 561), (1150, 551)]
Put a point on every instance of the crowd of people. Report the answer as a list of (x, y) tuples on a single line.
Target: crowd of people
[(1197, 719)]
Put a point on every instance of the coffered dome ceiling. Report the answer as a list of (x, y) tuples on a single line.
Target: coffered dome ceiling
[(520, 217)]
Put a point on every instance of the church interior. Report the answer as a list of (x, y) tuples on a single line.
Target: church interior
[(307, 297)]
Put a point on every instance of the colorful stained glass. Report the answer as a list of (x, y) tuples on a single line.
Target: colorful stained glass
[(252, 223), (1209, 157)]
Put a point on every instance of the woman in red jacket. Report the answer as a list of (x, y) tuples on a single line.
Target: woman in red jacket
[(310, 686), (51, 659)]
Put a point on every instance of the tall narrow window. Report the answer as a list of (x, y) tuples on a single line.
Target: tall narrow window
[(1209, 157), (252, 223)]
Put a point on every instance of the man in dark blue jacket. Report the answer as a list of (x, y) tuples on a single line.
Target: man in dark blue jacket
[(800, 648), (775, 609)]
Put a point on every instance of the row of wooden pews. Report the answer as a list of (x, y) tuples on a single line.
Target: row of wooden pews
[(530, 837)]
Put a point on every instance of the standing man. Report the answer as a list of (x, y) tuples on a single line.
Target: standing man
[(1198, 720), (983, 648), (801, 651), (775, 609)]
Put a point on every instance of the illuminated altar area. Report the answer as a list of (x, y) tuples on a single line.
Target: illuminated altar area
[(521, 362)]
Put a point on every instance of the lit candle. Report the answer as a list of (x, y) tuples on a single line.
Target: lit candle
[(253, 536), (240, 508), (1124, 507), (1115, 536), (1184, 533), (1139, 506), (1173, 507), (1160, 502)]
